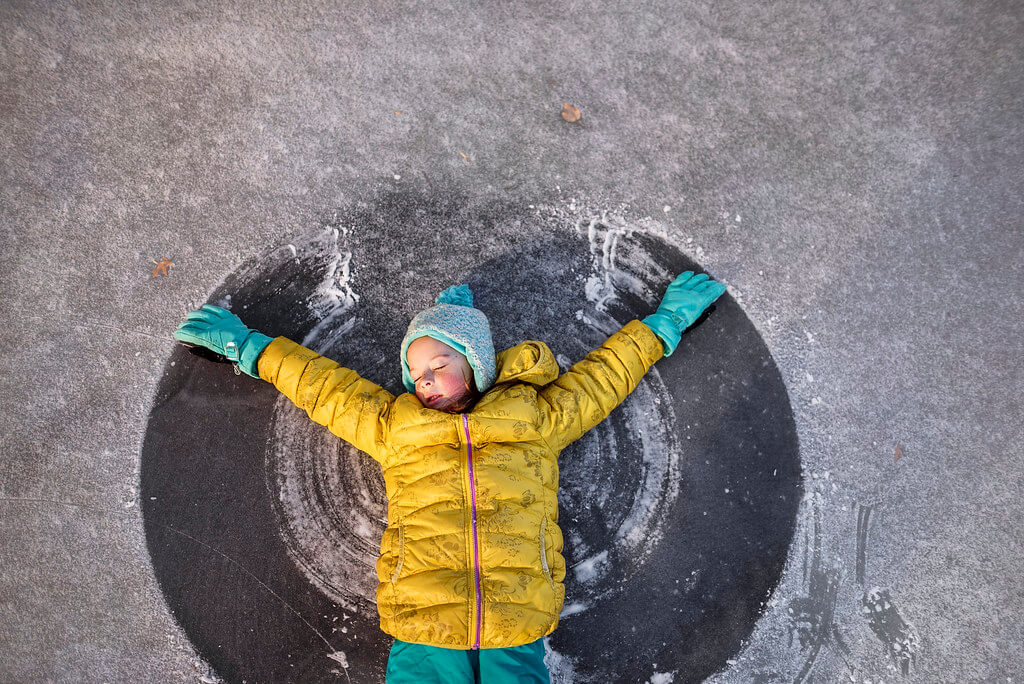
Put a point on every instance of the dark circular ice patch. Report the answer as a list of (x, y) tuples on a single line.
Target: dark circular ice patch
[(677, 510)]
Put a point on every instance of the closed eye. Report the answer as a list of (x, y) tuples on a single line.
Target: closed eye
[(435, 370)]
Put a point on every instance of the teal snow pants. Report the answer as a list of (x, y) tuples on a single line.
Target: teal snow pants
[(419, 664)]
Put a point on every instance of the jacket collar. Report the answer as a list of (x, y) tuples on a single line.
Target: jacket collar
[(530, 361)]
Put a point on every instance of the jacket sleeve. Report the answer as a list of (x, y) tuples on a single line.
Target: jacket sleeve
[(586, 393), (351, 407)]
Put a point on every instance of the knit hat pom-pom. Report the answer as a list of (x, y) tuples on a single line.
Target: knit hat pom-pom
[(456, 294)]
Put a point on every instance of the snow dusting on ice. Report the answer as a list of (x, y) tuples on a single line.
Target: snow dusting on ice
[(572, 609), (560, 667), (587, 570)]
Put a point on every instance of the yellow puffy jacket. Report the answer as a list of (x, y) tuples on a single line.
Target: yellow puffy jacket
[(471, 557)]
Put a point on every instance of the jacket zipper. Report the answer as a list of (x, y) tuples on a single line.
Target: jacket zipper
[(476, 543)]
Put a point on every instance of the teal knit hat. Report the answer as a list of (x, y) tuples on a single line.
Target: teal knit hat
[(455, 322)]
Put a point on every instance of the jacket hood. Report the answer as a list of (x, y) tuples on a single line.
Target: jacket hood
[(530, 361)]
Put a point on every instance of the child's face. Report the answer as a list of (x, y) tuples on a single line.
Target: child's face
[(443, 376)]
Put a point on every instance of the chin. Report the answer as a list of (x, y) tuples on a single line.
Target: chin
[(459, 404), (452, 404)]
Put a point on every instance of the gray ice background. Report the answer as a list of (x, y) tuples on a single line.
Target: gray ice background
[(853, 171)]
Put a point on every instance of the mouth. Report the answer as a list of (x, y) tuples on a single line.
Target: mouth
[(432, 399)]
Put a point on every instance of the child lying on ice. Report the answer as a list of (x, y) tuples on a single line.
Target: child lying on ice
[(470, 572)]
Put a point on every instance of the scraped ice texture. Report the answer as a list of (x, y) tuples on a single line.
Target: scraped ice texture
[(660, 485), (619, 264), (331, 520), (663, 678), (607, 278), (334, 296), (627, 267)]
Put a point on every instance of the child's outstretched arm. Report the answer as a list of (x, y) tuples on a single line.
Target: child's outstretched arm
[(584, 395), (684, 301), (350, 406)]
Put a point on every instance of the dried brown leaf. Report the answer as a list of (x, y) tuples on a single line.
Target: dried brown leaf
[(161, 266)]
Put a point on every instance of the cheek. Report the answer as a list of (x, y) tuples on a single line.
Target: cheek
[(452, 384)]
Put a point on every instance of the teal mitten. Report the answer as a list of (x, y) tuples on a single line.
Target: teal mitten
[(685, 300), (223, 332)]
